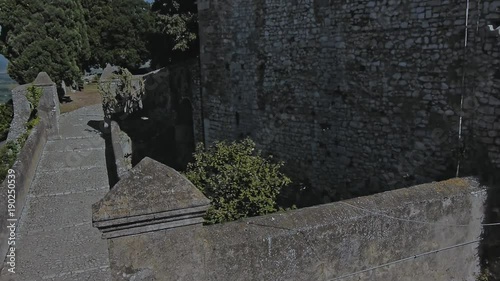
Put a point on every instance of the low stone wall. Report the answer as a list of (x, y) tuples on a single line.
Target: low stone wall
[(24, 167), (27, 162), (426, 232), (122, 148)]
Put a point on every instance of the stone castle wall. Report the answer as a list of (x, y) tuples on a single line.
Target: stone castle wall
[(355, 96)]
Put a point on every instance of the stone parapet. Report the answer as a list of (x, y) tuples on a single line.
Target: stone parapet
[(432, 229), (150, 197)]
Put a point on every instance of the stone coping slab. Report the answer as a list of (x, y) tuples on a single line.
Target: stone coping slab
[(149, 188)]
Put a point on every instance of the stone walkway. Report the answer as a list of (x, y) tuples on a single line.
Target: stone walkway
[(56, 240)]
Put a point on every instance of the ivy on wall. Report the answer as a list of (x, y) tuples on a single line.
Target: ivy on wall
[(122, 94)]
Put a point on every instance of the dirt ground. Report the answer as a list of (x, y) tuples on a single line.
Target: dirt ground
[(89, 96)]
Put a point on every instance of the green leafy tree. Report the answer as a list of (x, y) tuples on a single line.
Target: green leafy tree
[(118, 32), (237, 179), (44, 35), (175, 31)]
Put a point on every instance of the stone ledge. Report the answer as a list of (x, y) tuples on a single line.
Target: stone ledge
[(119, 155), (152, 222), (167, 223)]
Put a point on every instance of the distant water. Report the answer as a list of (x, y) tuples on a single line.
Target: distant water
[(6, 83)]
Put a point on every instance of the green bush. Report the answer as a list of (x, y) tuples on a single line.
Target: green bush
[(32, 123), (9, 152), (485, 275), (33, 95), (6, 114), (237, 179), (8, 155)]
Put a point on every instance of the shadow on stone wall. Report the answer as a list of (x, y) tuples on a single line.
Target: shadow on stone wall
[(149, 138), (170, 144), (112, 170), (166, 126), (489, 248)]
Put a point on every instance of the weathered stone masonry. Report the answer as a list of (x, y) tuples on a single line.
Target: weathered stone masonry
[(152, 220), (354, 95)]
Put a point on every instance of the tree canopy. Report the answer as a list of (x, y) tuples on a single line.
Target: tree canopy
[(44, 35), (118, 32), (64, 37), (175, 31)]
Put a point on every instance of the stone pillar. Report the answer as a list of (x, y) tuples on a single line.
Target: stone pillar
[(48, 108), (151, 199)]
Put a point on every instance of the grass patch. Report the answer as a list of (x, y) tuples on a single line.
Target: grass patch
[(88, 96)]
